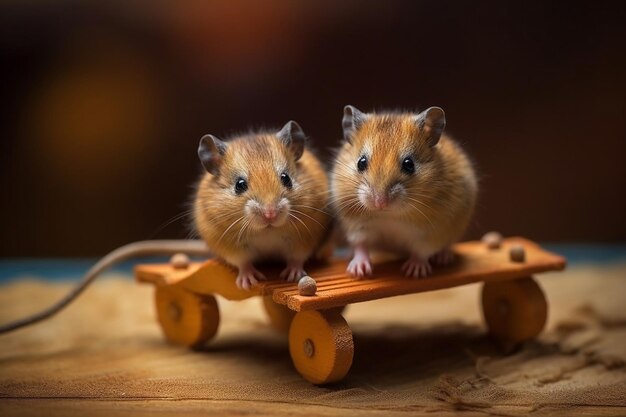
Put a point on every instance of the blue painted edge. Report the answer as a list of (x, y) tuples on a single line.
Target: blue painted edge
[(64, 269)]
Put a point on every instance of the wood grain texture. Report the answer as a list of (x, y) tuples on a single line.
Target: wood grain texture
[(321, 346), (186, 318), (515, 311), (210, 277), (475, 263)]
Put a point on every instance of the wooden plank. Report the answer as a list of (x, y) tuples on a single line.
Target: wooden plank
[(209, 277), (213, 276), (164, 274), (475, 263)]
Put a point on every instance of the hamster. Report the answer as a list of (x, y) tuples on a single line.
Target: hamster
[(399, 185), (264, 196)]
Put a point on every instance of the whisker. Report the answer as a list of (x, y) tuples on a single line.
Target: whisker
[(304, 214), (420, 202), (352, 206), (425, 216), (225, 215), (312, 208), (344, 177), (297, 231), (344, 203), (243, 228), (174, 219), (344, 164), (229, 227), (303, 223), (193, 234)]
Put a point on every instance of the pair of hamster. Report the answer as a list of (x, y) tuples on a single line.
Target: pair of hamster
[(397, 184)]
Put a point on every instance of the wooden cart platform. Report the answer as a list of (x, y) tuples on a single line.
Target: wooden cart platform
[(321, 345)]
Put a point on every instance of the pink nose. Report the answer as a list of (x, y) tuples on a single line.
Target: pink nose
[(270, 214), (381, 201)]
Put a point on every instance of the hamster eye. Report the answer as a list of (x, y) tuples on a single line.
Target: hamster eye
[(362, 164), (408, 166), (241, 186), (286, 180)]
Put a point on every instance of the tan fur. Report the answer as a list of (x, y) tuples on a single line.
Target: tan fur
[(261, 159), (440, 196)]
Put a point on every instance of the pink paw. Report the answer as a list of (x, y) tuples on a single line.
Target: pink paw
[(293, 272), (359, 267), (248, 277), (417, 268), (444, 257)]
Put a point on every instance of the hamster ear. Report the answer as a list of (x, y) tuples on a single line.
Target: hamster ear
[(211, 151), (431, 122), (293, 137), (353, 118)]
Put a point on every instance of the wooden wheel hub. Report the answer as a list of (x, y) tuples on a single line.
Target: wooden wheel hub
[(321, 346), (515, 310), (503, 306), (309, 348), (174, 311)]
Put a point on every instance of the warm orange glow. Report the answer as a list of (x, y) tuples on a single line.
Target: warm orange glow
[(95, 120)]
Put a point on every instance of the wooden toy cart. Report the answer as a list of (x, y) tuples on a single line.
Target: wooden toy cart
[(320, 340)]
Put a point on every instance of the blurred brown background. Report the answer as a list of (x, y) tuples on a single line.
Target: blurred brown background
[(103, 104)]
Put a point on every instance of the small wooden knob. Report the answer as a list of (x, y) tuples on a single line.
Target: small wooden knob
[(517, 253), (179, 261), (307, 286), (493, 240)]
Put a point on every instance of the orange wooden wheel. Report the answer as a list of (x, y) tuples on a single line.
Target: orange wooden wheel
[(186, 318), (280, 316), (516, 310), (321, 346)]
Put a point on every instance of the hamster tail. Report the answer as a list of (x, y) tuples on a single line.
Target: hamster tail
[(131, 250)]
